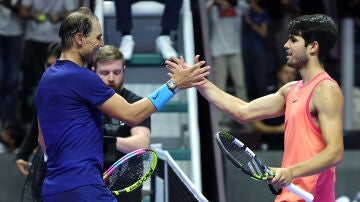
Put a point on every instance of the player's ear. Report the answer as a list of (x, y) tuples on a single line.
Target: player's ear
[(93, 68), (314, 48), (78, 38)]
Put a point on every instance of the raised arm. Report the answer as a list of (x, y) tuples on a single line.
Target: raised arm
[(269, 106), (133, 114), (265, 107)]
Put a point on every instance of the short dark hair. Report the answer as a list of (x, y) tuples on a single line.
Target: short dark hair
[(79, 21), (54, 49), (316, 27), (16, 132), (233, 3)]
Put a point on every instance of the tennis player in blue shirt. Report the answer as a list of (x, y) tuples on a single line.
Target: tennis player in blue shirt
[(70, 100)]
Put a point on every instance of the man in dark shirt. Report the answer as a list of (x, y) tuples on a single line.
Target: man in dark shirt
[(119, 138)]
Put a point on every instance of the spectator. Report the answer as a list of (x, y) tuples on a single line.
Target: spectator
[(255, 52), (11, 137), (169, 22), (272, 130), (43, 20), (11, 33), (226, 25), (280, 13), (121, 138)]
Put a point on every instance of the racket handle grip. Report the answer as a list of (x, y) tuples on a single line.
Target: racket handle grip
[(308, 197)]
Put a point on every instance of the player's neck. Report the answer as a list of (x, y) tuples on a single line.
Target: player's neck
[(310, 74), (72, 56), (310, 70)]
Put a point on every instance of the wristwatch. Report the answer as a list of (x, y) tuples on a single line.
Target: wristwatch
[(172, 86)]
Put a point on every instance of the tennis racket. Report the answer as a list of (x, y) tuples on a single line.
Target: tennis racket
[(246, 160), (131, 171)]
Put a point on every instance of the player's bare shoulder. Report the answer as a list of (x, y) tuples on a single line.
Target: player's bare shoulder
[(284, 89), (327, 95), (328, 89)]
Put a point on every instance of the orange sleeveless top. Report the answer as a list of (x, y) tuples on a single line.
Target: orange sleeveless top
[(303, 140)]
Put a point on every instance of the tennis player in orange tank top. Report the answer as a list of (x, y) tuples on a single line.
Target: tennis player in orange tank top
[(312, 107), (301, 129)]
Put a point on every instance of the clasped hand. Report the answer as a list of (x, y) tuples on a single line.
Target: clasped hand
[(185, 75)]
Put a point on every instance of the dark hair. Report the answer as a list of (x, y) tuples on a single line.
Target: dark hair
[(16, 132), (79, 21), (316, 27), (54, 49), (233, 3)]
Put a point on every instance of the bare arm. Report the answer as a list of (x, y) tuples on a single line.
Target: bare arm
[(140, 138), (24, 12), (327, 100), (133, 114), (22, 165), (265, 107)]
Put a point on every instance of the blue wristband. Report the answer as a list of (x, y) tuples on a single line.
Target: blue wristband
[(160, 96)]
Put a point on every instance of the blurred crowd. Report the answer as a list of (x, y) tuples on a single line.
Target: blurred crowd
[(27, 30)]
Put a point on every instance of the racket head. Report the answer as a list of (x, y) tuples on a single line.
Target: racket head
[(131, 171), (242, 157)]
